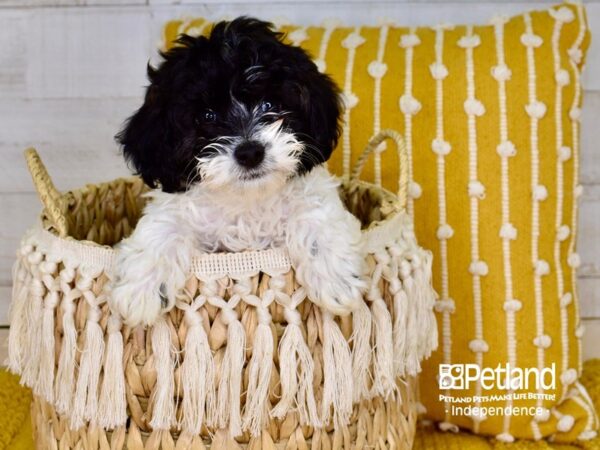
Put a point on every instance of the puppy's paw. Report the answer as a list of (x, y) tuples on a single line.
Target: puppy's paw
[(141, 300), (340, 297), (339, 290)]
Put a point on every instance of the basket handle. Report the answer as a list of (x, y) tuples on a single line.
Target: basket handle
[(51, 198), (402, 155)]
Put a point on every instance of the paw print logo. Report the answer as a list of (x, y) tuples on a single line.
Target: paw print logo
[(450, 376)]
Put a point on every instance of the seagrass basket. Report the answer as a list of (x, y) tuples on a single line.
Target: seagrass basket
[(244, 360)]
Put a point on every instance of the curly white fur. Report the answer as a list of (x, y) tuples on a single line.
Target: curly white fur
[(303, 213)]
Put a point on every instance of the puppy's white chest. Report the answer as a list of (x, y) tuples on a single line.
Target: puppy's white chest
[(252, 229), (248, 220), (239, 223)]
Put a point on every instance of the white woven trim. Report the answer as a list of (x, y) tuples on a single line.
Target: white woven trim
[(438, 72), (560, 282), (535, 214), (410, 108), (473, 108), (329, 26), (243, 264), (575, 117), (377, 70), (204, 267), (502, 73), (72, 251), (350, 99)]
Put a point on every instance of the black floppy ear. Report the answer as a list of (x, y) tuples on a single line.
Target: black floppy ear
[(149, 138), (143, 139), (320, 102), (152, 138)]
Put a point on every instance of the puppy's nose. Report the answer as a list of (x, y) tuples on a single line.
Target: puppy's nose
[(249, 154)]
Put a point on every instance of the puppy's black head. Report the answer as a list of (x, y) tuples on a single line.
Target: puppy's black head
[(236, 108)]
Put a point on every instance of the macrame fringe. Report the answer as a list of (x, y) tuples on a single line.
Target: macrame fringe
[(385, 345), (198, 371), (296, 372), (45, 384), (34, 326), (361, 352), (384, 384), (85, 402), (230, 384), (400, 327), (112, 406), (18, 336), (384, 380), (65, 375), (259, 369), (412, 362), (163, 411), (421, 329), (337, 384), (428, 337), (399, 306)]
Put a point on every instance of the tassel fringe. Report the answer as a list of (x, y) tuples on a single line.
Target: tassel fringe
[(33, 318), (401, 310), (296, 371), (19, 331), (259, 368), (413, 307), (85, 403), (65, 375), (385, 380), (163, 412), (230, 384), (361, 352), (384, 383), (197, 370), (112, 406), (337, 385), (296, 365), (400, 327), (45, 385), (428, 337)]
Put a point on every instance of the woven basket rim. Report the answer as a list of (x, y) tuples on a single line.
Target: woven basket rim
[(390, 198), (272, 261)]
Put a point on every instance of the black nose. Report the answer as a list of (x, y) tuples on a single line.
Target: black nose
[(249, 154)]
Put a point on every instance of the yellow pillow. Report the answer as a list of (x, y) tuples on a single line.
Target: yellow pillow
[(491, 117)]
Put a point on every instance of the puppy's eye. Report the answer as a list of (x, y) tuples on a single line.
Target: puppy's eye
[(266, 106), (210, 115)]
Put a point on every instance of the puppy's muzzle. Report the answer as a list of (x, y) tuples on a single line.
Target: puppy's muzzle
[(249, 154)]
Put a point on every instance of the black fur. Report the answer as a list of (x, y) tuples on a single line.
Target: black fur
[(243, 60)]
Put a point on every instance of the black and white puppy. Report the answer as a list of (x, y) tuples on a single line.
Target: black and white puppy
[(234, 129)]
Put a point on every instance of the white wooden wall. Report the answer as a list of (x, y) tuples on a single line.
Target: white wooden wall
[(72, 70)]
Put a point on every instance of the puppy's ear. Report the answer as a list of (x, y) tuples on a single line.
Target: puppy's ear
[(149, 138), (320, 102)]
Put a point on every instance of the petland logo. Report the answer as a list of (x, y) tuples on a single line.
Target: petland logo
[(504, 377)]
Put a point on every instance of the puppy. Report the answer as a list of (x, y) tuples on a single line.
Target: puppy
[(233, 133)]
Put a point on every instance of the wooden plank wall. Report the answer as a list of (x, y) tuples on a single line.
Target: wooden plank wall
[(72, 70)]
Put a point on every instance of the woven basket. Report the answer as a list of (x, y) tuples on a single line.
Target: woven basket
[(242, 361)]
